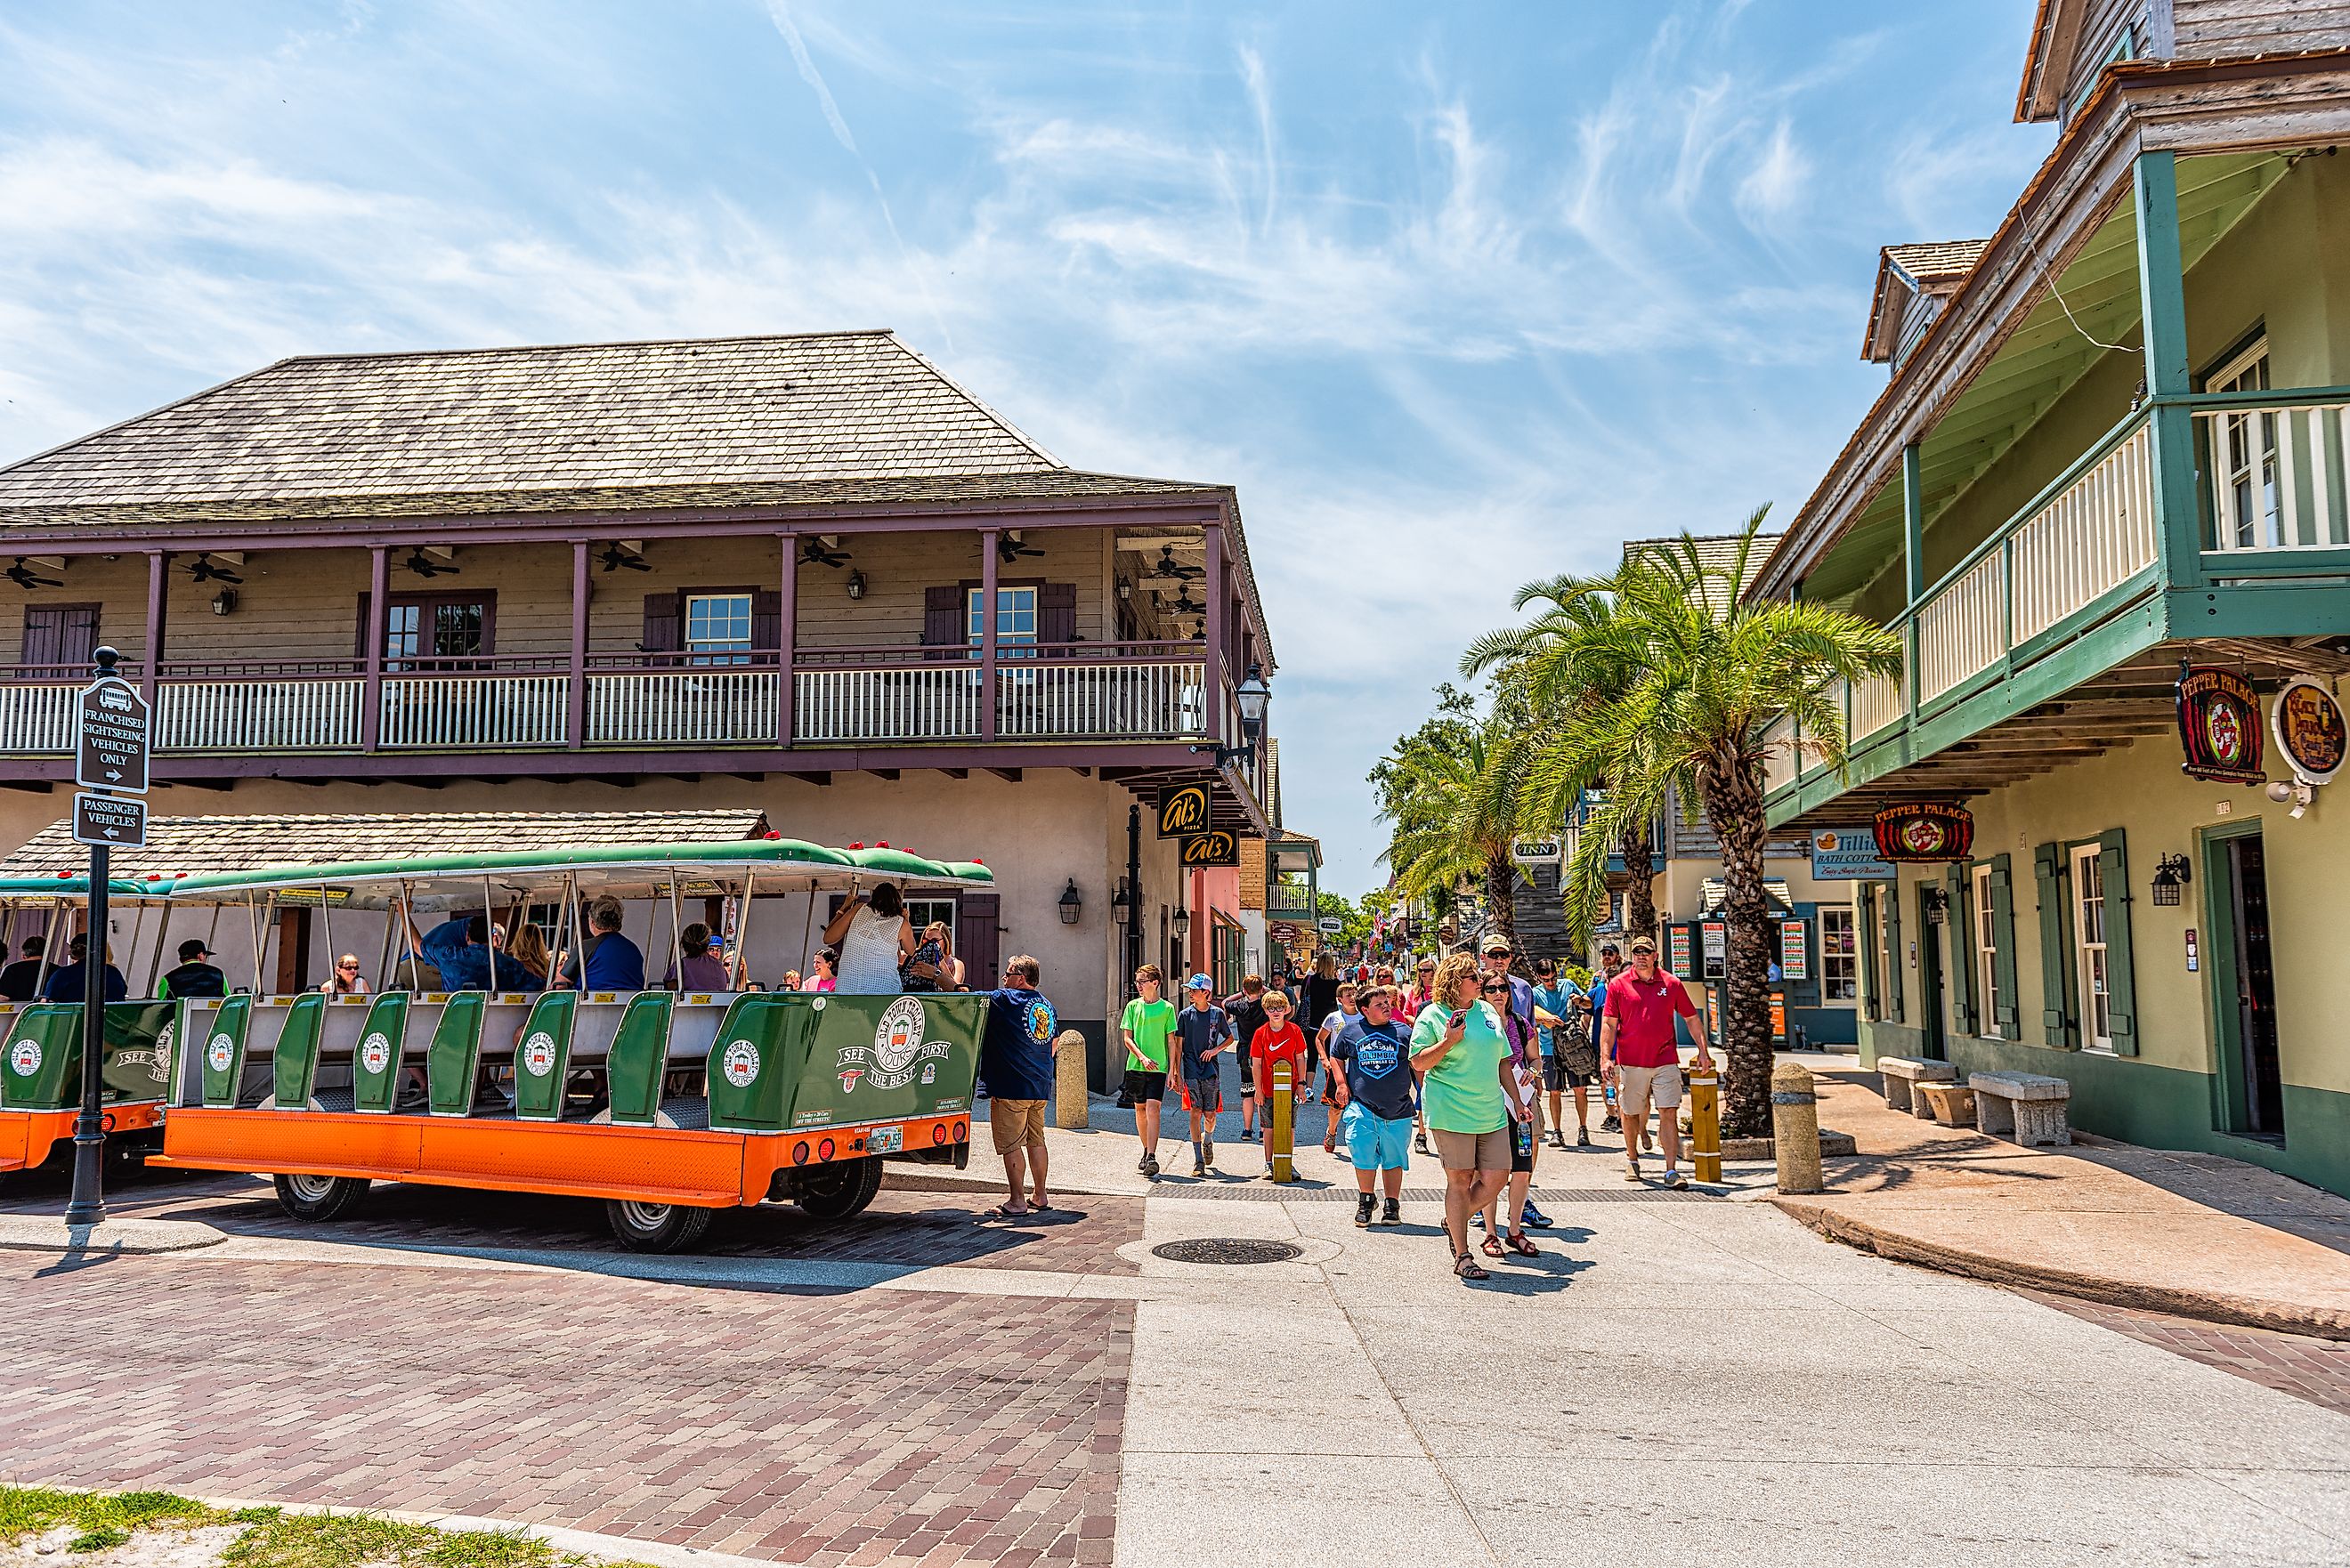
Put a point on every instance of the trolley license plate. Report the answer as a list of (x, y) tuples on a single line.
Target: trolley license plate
[(885, 1140)]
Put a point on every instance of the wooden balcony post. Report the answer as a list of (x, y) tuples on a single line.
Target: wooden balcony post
[(575, 723), (1219, 594), (371, 701), (158, 569), (788, 618), (1913, 565), (2162, 304), (987, 537)]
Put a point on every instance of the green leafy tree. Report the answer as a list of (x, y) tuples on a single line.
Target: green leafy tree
[(1702, 674), (1357, 926), (1453, 809)]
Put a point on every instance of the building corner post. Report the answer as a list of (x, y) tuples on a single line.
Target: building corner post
[(987, 693), (787, 620), (1220, 673), (1913, 569), (371, 695), (575, 716), (2162, 306), (158, 581)]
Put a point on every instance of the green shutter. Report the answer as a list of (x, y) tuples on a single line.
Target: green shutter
[(1958, 925), (2112, 867), (1871, 982), (1893, 954), (2048, 868), (2002, 936)]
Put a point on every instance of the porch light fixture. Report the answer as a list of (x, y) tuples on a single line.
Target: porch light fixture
[(1181, 922), (1253, 696), (2170, 874), (224, 601), (1073, 903), (856, 584), (1122, 904), (1125, 590)]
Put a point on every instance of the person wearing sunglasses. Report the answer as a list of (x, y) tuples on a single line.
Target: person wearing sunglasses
[(347, 979)]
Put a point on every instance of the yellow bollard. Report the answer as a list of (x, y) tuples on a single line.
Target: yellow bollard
[(1705, 1125), (1069, 1103), (1795, 1129), (1278, 1133)]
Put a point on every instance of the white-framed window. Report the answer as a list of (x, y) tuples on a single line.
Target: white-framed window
[(717, 628), (1015, 619), (1882, 977), (2244, 468), (1986, 958), (1839, 956), (2089, 949), (920, 912)]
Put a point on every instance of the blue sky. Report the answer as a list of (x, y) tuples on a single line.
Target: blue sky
[(1457, 296)]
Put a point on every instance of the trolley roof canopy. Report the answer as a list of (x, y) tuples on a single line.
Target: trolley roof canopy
[(537, 852)]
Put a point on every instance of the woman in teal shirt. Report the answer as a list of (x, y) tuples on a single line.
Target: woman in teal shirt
[(1468, 1096)]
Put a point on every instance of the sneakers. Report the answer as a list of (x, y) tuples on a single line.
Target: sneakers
[(1535, 1217), (1582, 1137), (1632, 1168), (1199, 1163), (1676, 1180), (1150, 1166), (1613, 1123), (1211, 1156), (1363, 1209), (1420, 1143), (1143, 1165), (1392, 1214), (1477, 1220), (1558, 1140)]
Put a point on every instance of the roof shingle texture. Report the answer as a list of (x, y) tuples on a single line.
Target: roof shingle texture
[(199, 845), (693, 421), (1937, 261), (1715, 553)]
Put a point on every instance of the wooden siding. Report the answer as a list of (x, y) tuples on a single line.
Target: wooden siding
[(2228, 29)]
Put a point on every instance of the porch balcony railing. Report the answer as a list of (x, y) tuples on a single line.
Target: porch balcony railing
[(2273, 467), (1287, 901), (853, 696)]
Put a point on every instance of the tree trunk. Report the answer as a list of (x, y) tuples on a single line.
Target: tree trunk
[(1640, 892), (1732, 797), (1501, 897)]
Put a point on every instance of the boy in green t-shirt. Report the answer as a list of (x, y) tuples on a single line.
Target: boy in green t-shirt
[(1145, 1025)]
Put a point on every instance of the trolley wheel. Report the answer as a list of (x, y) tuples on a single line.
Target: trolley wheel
[(838, 1191), (656, 1226), (319, 1196)]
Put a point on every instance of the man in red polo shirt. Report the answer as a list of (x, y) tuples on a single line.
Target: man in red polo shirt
[(1638, 1049)]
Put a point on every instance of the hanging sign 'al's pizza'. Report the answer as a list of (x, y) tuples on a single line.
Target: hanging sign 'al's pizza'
[(2307, 722), (2219, 726), (1182, 810), (1214, 847), (1925, 830)]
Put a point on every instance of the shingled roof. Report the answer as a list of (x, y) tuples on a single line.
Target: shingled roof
[(1933, 269), (1715, 553), (829, 417), (195, 846)]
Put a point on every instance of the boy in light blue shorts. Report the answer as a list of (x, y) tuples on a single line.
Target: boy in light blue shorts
[(1374, 1053)]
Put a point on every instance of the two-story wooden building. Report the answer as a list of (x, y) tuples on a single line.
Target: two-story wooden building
[(2112, 447), (806, 575)]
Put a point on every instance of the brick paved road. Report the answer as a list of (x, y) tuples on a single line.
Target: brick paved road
[(923, 1427), (925, 1229), (2317, 1370)]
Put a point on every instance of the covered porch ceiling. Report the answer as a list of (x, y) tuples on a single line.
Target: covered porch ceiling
[(2040, 359), (2131, 700)]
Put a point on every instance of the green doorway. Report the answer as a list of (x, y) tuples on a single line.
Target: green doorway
[(2244, 984)]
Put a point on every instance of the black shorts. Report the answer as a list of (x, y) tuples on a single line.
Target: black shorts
[(1143, 1084), (1558, 1078), (1520, 1162), (1248, 1071)]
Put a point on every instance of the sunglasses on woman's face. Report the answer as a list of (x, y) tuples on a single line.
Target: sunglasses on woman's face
[(1497, 990), (351, 966)]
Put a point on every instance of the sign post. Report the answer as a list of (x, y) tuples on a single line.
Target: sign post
[(112, 752)]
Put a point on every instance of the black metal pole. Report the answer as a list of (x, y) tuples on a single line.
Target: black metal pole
[(1133, 889), (87, 1204)]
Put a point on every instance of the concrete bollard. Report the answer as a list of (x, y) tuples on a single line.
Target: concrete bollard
[(1705, 1125), (1795, 1129), (1069, 1103), (1280, 1136)]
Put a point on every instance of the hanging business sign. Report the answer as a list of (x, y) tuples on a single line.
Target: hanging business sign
[(1544, 850), (2308, 727), (1848, 855), (1793, 951), (1213, 847), (2219, 726), (1182, 810), (1924, 830)]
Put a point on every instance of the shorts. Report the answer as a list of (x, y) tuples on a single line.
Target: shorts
[(1558, 1078), (1248, 1071), (1523, 1163), (1016, 1123), (1143, 1084), (1374, 1142), (1637, 1088), (1473, 1151), (1204, 1095)]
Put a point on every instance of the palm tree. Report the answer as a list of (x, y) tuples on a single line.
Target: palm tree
[(1452, 810), (1688, 677)]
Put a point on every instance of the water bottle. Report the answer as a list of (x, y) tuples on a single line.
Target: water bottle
[(1524, 1133)]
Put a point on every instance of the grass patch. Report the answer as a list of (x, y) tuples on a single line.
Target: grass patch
[(274, 1538)]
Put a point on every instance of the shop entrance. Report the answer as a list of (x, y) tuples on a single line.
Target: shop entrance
[(1929, 946), (2245, 977)]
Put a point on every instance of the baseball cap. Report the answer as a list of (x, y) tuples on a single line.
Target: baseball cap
[(1643, 945), (1496, 943), (1199, 982), (193, 949)]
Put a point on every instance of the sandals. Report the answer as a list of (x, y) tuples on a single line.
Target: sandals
[(1491, 1247), (1466, 1267), (1523, 1247)]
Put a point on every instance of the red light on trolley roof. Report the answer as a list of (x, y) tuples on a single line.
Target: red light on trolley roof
[(774, 832), (859, 845)]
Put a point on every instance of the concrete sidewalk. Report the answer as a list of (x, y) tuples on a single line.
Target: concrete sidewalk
[(2196, 1235)]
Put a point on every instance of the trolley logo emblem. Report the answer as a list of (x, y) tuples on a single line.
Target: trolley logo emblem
[(375, 1052), (220, 1051), (25, 1058), (537, 1053), (897, 1052), (741, 1063)]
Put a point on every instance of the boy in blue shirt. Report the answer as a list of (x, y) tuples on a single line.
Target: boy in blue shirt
[(1203, 1032), (1374, 1086)]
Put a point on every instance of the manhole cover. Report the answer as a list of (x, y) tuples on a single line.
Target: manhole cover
[(1227, 1250)]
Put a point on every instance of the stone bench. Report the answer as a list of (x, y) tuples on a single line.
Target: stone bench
[(1902, 1075), (2028, 1107), (1950, 1104)]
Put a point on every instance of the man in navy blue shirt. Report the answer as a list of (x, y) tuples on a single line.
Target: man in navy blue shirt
[(67, 984), (1016, 1063), (614, 963)]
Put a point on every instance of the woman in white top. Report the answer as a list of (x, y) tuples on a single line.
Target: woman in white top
[(874, 938)]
